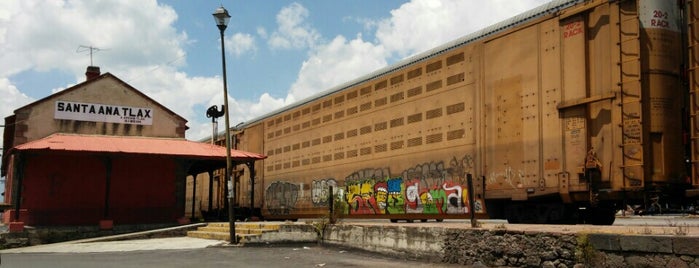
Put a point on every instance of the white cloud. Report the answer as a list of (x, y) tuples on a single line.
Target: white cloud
[(11, 97), (130, 50), (262, 32), (335, 63), (246, 110), (240, 43), (185, 95), (292, 30), (63, 25), (174, 89), (421, 25)]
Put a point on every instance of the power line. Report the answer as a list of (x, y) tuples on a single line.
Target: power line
[(169, 63)]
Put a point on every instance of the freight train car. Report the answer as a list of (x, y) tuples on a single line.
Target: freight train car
[(565, 113)]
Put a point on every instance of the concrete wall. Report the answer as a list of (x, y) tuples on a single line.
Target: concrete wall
[(512, 248), (643, 251), (412, 242)]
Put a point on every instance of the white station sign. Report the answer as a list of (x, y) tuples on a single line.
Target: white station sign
[(103, 113)]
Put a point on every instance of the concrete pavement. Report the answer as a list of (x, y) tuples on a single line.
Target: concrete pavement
[(120, 246)]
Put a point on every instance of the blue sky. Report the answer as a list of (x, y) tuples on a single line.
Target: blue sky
[(277, 52)]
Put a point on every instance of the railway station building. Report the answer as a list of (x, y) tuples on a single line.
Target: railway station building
[(101, 153)]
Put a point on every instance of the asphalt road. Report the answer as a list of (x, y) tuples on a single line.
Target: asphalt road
[(194, 252), (270, 256)]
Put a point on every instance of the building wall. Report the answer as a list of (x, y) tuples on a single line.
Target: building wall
[(38, 120), (144, 190), (68, 189), (63, 189)]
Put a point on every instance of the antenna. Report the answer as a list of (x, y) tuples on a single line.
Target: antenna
[(91, 50)]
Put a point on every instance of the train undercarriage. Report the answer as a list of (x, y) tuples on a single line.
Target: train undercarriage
[(606, 207), (551, 212)]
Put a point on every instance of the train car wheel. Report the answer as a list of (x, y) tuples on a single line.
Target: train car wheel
[(423, 220), (394, 220), (440, 220)]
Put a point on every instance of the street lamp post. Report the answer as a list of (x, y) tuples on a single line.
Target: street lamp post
[(221, 16)]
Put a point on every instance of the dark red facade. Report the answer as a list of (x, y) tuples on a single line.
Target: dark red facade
[(71, 189)]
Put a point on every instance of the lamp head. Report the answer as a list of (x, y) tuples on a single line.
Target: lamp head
[(221, 16)]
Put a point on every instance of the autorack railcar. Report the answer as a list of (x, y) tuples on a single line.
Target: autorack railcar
[(565, 113)]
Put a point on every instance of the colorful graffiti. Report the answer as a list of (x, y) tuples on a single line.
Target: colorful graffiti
[(281, 197), (320, 191), (413, 203), (428, 188), (375, 196), (431, 188), (361, 198), (395, 203), (396, 196), (381, 196), (457, 198)]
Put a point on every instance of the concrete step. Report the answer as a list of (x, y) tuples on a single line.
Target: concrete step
[(209, 235), (248, 225), (245, 231), (213, 229), (238, 230)]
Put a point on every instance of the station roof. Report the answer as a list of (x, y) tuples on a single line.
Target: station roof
[(135, 145)]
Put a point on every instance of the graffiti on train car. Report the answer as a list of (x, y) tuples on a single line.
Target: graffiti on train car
[(281, 197), (398, 196), (360, 196), (369, 173), (513, 178), (320, 191), (431, 188), (381, 195), (395, 203), (461, 166)]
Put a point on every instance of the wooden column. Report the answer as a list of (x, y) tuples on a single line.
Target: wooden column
[(251, 167), (211, 189), (106, 223), (194, 195)]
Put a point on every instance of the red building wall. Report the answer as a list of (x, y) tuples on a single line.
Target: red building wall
[(143, 190), (65, 189)]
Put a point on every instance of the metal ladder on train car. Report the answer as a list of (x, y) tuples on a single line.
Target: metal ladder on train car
[(693, 79), (631, 98)]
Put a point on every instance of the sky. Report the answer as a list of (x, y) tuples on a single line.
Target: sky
[(277, 52)]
